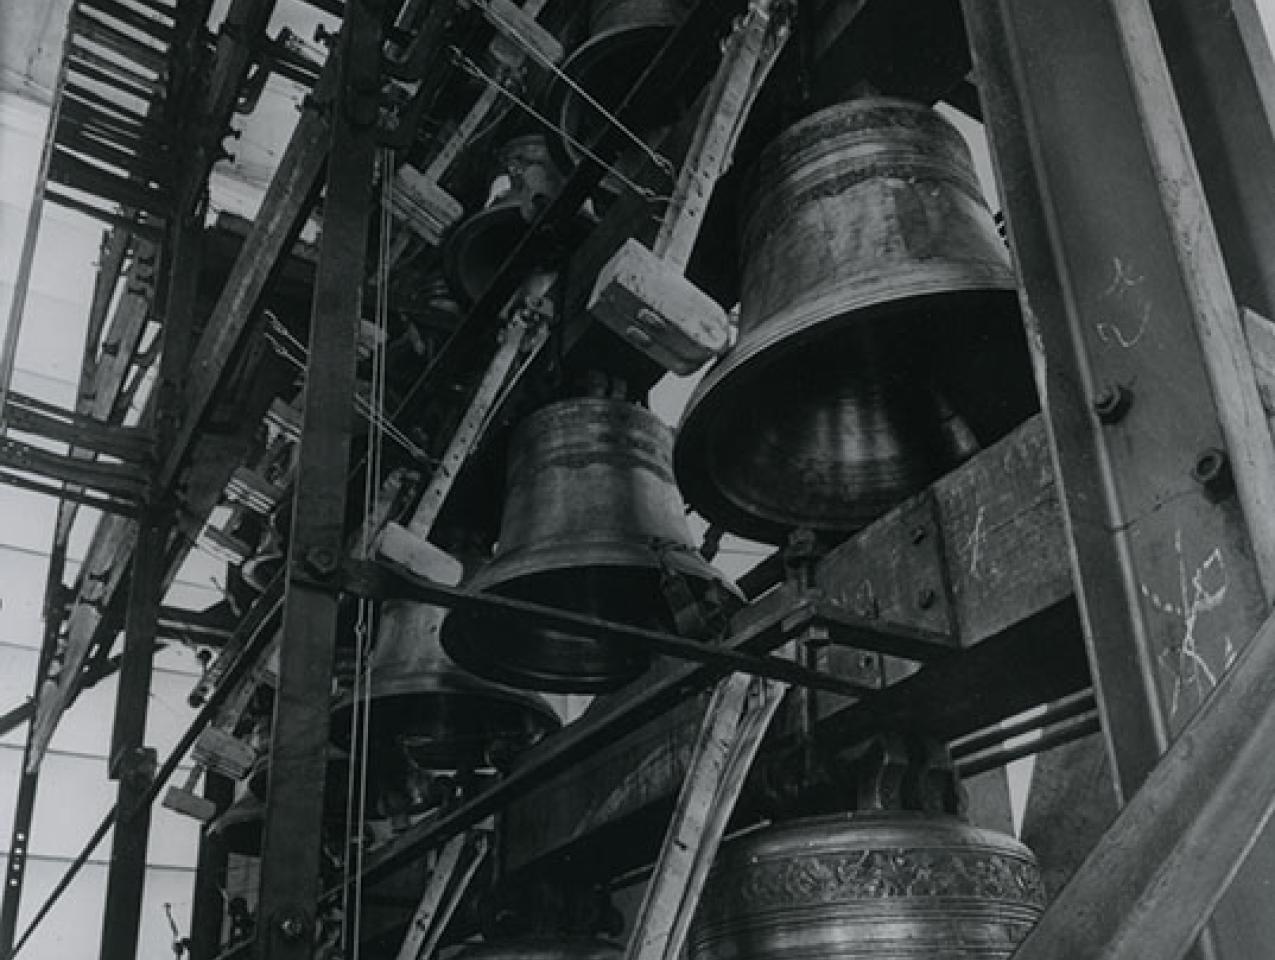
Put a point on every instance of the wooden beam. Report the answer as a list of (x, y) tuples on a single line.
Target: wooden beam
[(995, 524), (1152, 881)]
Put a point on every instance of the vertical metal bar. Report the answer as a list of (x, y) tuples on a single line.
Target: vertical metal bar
[(1119, 287), (28, 782), (26, 259), (286, 920), (208, 909), (131, 764), (1224, 78)]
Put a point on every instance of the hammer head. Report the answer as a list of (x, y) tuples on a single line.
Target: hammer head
[(651, 305)]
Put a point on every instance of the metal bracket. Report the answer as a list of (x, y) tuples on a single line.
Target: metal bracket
[(734, 724)]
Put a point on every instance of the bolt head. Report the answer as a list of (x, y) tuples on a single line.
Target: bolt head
[(1112, 403), (925, 598)]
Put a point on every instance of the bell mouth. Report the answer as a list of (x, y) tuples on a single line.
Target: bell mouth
[(560, 661), (828, 415), (606, 66), (480, 245), (449, 722)]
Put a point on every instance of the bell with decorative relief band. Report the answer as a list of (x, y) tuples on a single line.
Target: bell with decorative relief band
[(624, 36), (480, 245), (879, 341), (592, 523), (867, 886), (428, 713)]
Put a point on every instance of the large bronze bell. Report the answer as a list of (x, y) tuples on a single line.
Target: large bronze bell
[(868, 885), (429, 714), (592, 523), (879, 335), (623, 37), (477, 249)]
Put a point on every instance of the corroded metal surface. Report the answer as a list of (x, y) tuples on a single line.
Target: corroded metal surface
[(848, 886), (879, 337), (592, 523)]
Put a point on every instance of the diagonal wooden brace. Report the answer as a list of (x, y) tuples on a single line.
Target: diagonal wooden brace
[(735, 722), (457, 862)]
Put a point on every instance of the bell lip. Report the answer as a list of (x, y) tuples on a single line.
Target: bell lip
[(525, 562), (802, 327), (477, 694), (891, 828), (499, 216), (582, 59)]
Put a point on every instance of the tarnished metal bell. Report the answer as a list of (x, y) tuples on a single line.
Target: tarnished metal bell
[(241, 825), (592, 523), (429, 712), (536, 948), (868, 886), (479, 246), (879, 342), (623, 37)]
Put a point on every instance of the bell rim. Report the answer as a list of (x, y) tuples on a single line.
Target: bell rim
[(560, 93), (502, 214), (804, 326), (525, 703)]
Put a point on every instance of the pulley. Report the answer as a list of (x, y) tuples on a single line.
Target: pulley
[(879, 340), (592, 523)]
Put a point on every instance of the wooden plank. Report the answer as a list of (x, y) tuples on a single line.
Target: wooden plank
[(1004, 555)]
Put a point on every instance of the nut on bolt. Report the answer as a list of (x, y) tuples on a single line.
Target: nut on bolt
[(321, 560), (292, 926), (1212, 471), (1112, 403)]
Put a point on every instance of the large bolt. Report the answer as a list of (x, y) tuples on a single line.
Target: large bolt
[(1212, 471), (1112, 403), (292, 926), (322, 560)]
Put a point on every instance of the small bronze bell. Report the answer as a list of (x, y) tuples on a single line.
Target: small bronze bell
[(863, 886), (592, 523), (438, 716), (479, 246), (879, 341), (623, 37)]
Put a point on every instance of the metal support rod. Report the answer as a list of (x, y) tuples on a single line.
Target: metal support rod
[(208, 907), (130, 762), (286, 915), (26, 259), (253, 628), (29, 779)]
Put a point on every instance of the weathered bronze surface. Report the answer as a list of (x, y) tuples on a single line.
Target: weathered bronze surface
[(884, 885), (879, 335), (429, 712), (593, 523)]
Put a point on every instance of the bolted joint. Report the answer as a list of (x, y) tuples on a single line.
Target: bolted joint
[(321, 561), (1212, 471), (293, 924), (926, 598), (1112, 403)]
